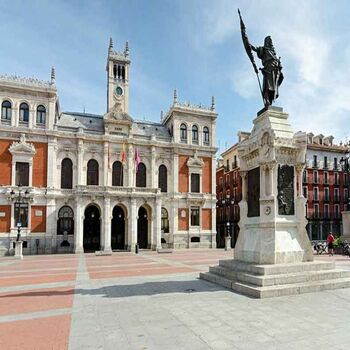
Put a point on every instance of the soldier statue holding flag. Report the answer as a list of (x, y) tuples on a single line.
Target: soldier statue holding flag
[(272, 69)]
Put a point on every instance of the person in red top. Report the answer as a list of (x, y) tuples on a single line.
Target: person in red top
[(330, 240)]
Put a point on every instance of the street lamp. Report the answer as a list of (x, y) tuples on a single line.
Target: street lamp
[(19, 200), (344, 161)]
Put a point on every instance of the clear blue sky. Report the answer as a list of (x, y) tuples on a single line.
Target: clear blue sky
[(193, 45)]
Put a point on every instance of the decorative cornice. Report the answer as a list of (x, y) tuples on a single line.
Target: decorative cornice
[(33, 82)]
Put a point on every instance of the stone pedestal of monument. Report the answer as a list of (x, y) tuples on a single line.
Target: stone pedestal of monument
[(19, 250), (346, 226), (273, 255)]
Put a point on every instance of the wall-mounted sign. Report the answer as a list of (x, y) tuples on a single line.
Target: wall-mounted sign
[(2, 214), (183, 213), (38, 213)]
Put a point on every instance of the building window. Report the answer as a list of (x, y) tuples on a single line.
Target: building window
[(315, 177), (235, 178), (336, 178), (326, 211), (316, 211), (325, 162), (24, 112), (183, 133), (117, 174), (92, 173), (227, 165), (165, 221), (66, 173), (163, 178), (195, 183), (6, 109), (141, 175), (40, 115), (206, 135), (235, 196), (326, 178), (195, 134), (335, 163), (305, 192), (345, 179), (194, 216), (336, 211), (235, 212), (234, 164), (304, 176), (346, 194), (220, 182), (65, 224), (336, 195), (228, 213), (314, 164), (21, 214), (227, 180), (22, 174), (315, 193), (326, 194)]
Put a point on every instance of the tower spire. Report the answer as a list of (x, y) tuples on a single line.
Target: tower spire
[(53, 75), (110, 47), (175, 96), (212, 103), (126, 51)]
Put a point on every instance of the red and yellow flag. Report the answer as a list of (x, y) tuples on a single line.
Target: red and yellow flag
[(123, 155)]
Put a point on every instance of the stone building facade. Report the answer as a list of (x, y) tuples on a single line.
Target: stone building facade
[(325, 186), (81, 182)]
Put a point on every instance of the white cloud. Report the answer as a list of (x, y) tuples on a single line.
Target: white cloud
[(316, 91)]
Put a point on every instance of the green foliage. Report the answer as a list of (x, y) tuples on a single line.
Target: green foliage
[(336, 242)]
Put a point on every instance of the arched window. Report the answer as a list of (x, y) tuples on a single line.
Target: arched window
[(92, 172), (162, 178), (195, 134), (24, 112), (66, 173), (65, 224), (141, 176), (117, 174), (40, 115), (183, 133), (206, 135), (6, 109), (165, 221)]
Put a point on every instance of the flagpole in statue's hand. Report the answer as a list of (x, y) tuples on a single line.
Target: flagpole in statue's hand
[(248, 48)]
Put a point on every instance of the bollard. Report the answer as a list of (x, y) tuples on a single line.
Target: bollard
[(136, 248)]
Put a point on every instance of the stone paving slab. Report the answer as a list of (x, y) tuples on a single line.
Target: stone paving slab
[(166, 307)]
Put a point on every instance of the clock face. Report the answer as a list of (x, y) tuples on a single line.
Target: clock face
[(119, 91)]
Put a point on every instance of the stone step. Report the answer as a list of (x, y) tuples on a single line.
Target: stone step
[(270, 280), (276, 269), (279, 290)]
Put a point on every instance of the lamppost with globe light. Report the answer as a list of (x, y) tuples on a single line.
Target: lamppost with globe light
[(20, 199)]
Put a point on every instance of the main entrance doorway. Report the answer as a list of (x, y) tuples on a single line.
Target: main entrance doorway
[(91, 238), (118, 228), (142, 228)]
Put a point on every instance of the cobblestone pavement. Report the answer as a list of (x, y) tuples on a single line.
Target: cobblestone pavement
[(156, 301)]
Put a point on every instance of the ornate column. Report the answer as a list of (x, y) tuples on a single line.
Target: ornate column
[(153, 183), (106, 243), (52, 163), (132, 222), (80, 180), (244, 175), (106, 179), (78, 227), (157, 225), (175, 173)]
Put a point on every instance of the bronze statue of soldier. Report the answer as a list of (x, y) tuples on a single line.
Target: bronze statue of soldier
[(272, 70)]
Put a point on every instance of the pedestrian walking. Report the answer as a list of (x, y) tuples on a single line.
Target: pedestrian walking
[(330, 240)]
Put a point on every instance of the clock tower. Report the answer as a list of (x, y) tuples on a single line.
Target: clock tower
[(118, 78)]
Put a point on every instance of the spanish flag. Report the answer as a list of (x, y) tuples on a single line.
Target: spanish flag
[(123, 155)]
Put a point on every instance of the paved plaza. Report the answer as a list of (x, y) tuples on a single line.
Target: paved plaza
[(156, 301)]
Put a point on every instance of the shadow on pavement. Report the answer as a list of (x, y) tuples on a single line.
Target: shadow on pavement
[(130, 290)]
